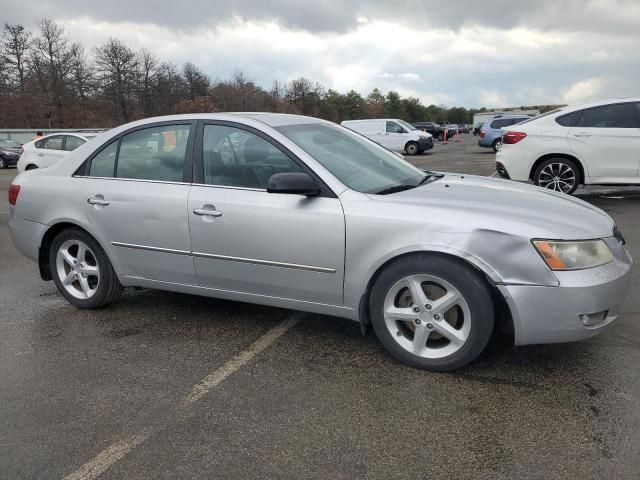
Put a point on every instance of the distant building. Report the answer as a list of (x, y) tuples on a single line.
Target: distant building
[(484, 116)]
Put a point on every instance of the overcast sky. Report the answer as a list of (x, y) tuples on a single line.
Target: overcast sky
[(470, 53)]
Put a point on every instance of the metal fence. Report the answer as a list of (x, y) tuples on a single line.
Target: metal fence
[(24, 135)]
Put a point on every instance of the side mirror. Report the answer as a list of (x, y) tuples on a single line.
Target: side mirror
[(293, 183)]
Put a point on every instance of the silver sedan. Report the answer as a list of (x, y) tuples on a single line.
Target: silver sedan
[(300, 213)]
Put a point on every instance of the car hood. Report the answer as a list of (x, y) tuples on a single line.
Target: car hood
[(505, 206)]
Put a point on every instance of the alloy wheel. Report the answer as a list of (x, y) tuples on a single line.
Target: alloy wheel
[(78, 269), (557, 176), (427, 316)]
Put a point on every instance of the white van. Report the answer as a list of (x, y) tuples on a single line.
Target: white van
[(396, 135)]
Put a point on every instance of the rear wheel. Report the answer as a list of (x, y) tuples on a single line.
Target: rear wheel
[(411, 148), (558, 174), (497, 145), (431, 312), (82, 271)]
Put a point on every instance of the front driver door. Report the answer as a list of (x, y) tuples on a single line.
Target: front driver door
[(394, 138), (247, 240)]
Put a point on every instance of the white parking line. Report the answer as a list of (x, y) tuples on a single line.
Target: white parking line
[(217, 376), (101, 462), (105, 459), (1, 213)]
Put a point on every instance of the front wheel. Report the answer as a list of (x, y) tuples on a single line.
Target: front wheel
[(412, 148), (559, 174), (431, 312), (82, 271)]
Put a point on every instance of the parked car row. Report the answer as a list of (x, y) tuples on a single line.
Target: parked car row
[(491, 131), (437, 131)]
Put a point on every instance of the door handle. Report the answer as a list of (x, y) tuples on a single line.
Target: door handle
[(97, 201), (205, 212), (581, 134)]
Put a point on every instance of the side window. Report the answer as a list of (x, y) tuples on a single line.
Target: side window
[(72, 143), (393, 127), (53, 143), (503, 122), (156, 153), (103, 164), (617, 115), (237, 158), (570, 119)]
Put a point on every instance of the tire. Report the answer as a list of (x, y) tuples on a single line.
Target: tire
[(412, 148), (88, 282), (469, 321), (31, 167), (441, 137), (3, 163), (558, 174), (497, 145)]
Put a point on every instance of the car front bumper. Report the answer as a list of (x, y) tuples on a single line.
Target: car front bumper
[(425, 143), (11, 160), (585, 302)]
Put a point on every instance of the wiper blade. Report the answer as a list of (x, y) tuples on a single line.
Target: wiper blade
[(430, 176), (394, 189)]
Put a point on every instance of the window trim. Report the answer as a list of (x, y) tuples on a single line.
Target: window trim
[(187, 173), (198, 163)]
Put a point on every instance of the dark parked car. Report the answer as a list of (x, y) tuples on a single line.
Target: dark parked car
[(433, 128), (477, 127), (9, 153)]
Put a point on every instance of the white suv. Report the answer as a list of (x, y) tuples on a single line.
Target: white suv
[(597, 143)]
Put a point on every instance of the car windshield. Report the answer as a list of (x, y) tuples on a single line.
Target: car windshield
[(10, 144), (356, 161), (406, 125)]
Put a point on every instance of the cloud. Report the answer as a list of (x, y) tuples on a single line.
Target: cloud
[(531, 53), (585, 91)]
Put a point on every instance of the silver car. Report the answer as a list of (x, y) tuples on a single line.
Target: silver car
[(300, 213)]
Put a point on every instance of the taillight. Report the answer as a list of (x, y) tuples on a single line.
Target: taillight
[(482, 133), (510, 138), (14, 190)]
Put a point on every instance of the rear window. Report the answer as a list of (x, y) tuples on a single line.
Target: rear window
[(505, 122), (570, 119)]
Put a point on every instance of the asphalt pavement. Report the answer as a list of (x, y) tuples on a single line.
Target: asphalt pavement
[(162, 385)]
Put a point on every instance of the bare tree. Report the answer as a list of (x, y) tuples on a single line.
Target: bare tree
[(116, 68), (82, 73), (147, 78), (197, 82), (15, 52)]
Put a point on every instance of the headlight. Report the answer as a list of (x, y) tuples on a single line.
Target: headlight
[(573, 255)]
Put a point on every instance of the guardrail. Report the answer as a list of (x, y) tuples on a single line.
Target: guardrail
[(24, 135)]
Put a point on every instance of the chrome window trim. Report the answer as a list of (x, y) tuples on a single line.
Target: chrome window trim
[(229, 187), (253, 261), (132, 180)]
